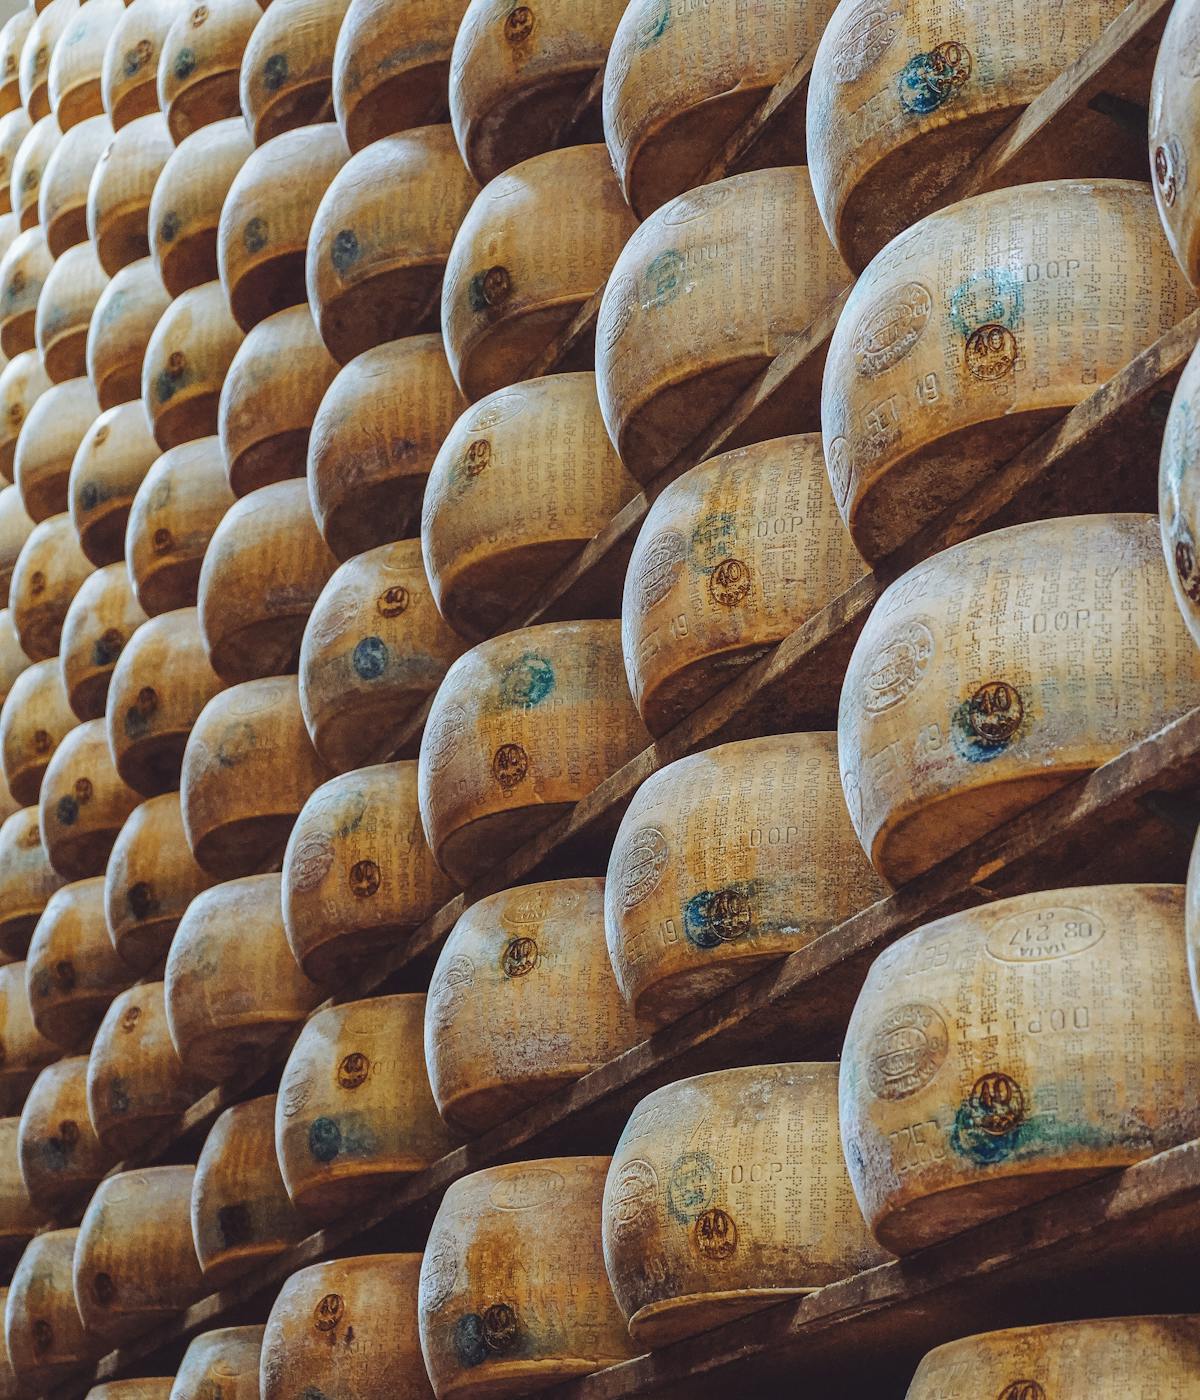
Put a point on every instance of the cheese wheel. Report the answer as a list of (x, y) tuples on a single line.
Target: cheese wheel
[(27, 880), (725, 862), (134, 1262), (522, 728), (523, 481), (241, 1214), (23, 269), (33, 74), (702, 298), (150, 879), (9, 806), (187, 358), (64, 312), (141, 1388), (287, 69), (62, 1161), (14, 128), (223, 1364), (355, 1116), (35, 718), (129, 71), (390, 66), (177, 507), (102, 617), (381, 237), (264, 570), (122, 324), (185, 207), (266, 218), (508, 1305), (46, 576), (347, 1328), (44, 1334), (109, 465), (13, 660), (525, 261), (357, 874), (30, 160), (975, 331), (83, 803), (26, 1051), (119, 195), (62, 194), (375, 648), (270, 397), (1178, 496), (10, 1387), (73, 80), (373, 441), (12, 40), (248, 769), (20, 1218), (15, 524), (46, 447), (1173, 116), (947, 730), (200, 60), (522, 1002)]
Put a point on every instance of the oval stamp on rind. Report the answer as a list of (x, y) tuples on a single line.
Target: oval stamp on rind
[(530, 1189), (890, 328), (443, 737), (310, 861), (642, 864), (632, 1196), (659, 567), (908, 1047), (695, 203), (898, 666), (867, 34), (1045, 935), (439, 1273), (500, 408)]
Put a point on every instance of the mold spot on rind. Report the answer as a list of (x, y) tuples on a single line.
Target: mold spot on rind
[(345, 251), (184, 65), (527, 681), (275, 72), (168, 230)]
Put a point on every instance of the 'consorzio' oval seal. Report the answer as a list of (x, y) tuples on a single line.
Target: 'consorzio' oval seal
[(907, 1048)]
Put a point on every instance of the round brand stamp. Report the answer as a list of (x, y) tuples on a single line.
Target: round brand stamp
[(354, 1070), (510, 766), (995, 713), (991, 353), (631, 1197), (715, 1235), (890, 329), (364, 879), (907, 1048), (730, 582), (619, 304), (641, 865), (898, 667), (705, 200), (1022, 1390), (691, 1187), (520, 957), (996, 1104)]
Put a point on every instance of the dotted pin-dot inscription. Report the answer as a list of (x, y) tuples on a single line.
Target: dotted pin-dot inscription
[(898, 667), (865, 37), (642, 864), (393, 601), (500, 1327), (631, 1197)]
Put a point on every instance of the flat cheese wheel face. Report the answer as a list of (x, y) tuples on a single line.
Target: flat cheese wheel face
[(129, 69), (73, 81), (27, 880), (24, 268), (83, 803), (287, 68), (119, 195), (103, 616), (62, 196), (44, 1336), (34, 720), (20, 1217), (187, 358), (62, 1161), (126, 314), (947, 729), (224, 1363), (109, 465), (26, 1049), (200, 60)]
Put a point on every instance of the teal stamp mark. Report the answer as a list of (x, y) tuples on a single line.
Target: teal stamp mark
[(692, 1187), (983, 726), (185, 64), (275, 72), (370, 658), (930, 80), (991, 1123), (993, 297), (345, 251), (713, 917), (663, 280), (526, 682), (255, 235), (653, 23)]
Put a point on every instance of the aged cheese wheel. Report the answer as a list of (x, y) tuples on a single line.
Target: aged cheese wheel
[(47, 444), (62, 195), (22, 381), (61, 1157), (141, 1388), (702, 298), (951, 356), (267, 215), (186, 205), (12, 659), (83, 802), (248, 769), (220, 1365), (30, 160), (180, 503), (522, 1002), (103, 616), (150, 879), (347, 1328), (488, 1325), (523, 480), (33, 73), (270, 397), (9, 806), (725, 862), (135, 1265), (952, 1116), (47, 575), (522, 727), (20, 1218), (241, 1214), (12, 40), (23, 268), (64, 311), (287, 69), (357, 874), (373, 440), (129, 72), (381, 237), (110, 464), (1173, 121), (15, 524), (187, 357), (43, 1331), (124, 320), (10, 1387), (200, 62), (1178, 496), (26, 1051), (14, 128), (35, 718), (374, 649), (355, 1115), (525, 260), (73, 82), (947, 730), (119, 195)]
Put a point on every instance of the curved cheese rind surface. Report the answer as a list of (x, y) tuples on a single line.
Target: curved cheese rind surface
[(199, 63), (119, 194), (129, 69), (1179, 495), (287, 66), (221, 1363), (62, 1161), (125, 318), (34, 720), (27, 880), (44, 1335), (102, 618), (108, 467)]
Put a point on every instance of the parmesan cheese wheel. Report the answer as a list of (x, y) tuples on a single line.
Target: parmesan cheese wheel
[(725, 862), (1178, 496), (150, 879), (44, 1334), (241, 1214), (119, 195), (266, 217), (12, 40), (35, 718), (9, 806), (180, 503), (522, 728), (26, 1050), (375, 648), (102, 617), (381, 237), (134, 1262), (185, 207), (263, 572), (64, 311), (222, 1364), (23, 268), (9, 229), (357, 874), (248, 769), (160, 685), (702, 298), (73, 81), (141, 1388), (27, 880), (62, 195), (15, 524), (122, 324), (187, 358), (947, 729), (110, 464), (287, 69), (270, 396), (952, 1116), (30, 160), (523, 480), (46, 447), (46, 576), (513, 1295), (14, 128), (525, 260), (33, 72), (12, 659), (83, 803), (975, 331), (522, 1002), (10, 1387), (20, 1219), (129, 72), (61, 1157), (355, 1116), (200, 62), (373, 440), (347, 1328)]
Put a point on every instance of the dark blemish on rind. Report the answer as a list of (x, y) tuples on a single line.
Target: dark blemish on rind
[(984, 726), (58, 1150), (185, 64), (137, 57), (489, 288), (663, 280), (67, 811), (329, 1312), (394, 601), (991, 1123), (527, 681), (469, 1345), (929, 80), (519, 24), (716, 1235), (364, 879), (237, 740), (312, 1393), (64, 975), (345, 250), (173, 376), (324, 1139), (510, 765), (255, 234), (43, 1336), (235, 1225), (138, 716), (103, 1290), (691, 1187), (354, 1070), (654, 25), (710, 542), (142, 900), (275, 72), (118, 1095), (168, 230), (108, 646), (1022, 1390), (1185, 562), (371, 658), (89, 496), (713, 917)]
